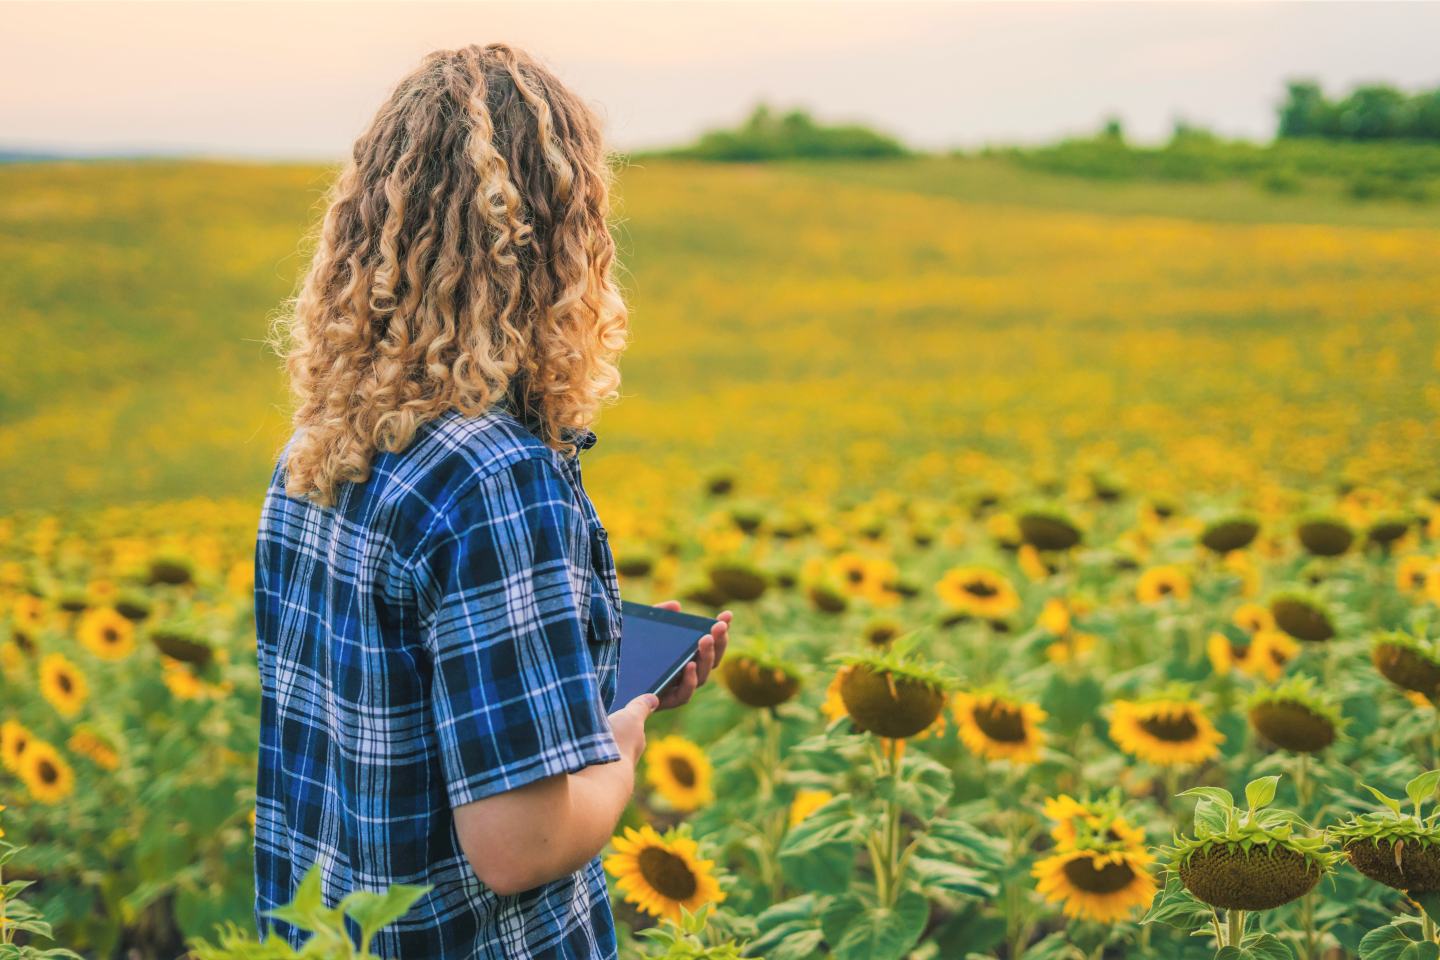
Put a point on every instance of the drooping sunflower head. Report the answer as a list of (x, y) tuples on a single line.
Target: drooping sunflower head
[(1324, 535), (978, 592), (1230, 534), (62, 683), (758, 675), (996, 726), (1048, 529), (1302, 617), (1168, 729), (1163, 583), (1295, 716), (1255, 859), (736, 579), (679, 771), (1103, 885), (1385, 531), (1394, 847), (1408, 662), (660, 874), (184, 642), (890, 693)]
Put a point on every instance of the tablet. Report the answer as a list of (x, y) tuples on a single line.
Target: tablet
[(655, 645)]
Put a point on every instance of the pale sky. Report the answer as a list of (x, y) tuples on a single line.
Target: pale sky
[(300, 79)]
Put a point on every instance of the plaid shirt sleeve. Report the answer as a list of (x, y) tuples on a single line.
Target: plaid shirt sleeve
[(503, 578)]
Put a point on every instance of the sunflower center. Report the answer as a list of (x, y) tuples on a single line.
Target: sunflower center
[(1163, 588), (668, 874), (64, 683), (1173, 727), (47, 771), (979, 588), (1000, 721), (110, 635), (681, 770), (1111, 878)]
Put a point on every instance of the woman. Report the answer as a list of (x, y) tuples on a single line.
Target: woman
[(436, 601)]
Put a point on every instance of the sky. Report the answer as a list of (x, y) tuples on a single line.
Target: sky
[(299, 80)]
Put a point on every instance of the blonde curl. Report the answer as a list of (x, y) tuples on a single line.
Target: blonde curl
[(464, 261)]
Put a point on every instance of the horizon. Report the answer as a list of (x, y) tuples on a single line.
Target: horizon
[(297, 81)]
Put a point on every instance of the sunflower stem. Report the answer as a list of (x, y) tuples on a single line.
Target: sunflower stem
[(1235, 927), (1427, 926), (1307, 919), (1302, 782)]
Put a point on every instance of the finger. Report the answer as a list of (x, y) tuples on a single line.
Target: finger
[(683, 688), (669, 605), (725, 616), (722, 643), (704, 659), (643, 705)]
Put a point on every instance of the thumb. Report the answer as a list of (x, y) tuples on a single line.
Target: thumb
[(643, 705)]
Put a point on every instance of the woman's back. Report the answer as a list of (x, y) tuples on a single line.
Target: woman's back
[(446, 631)]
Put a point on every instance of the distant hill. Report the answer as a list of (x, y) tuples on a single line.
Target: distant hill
[(768, 135)]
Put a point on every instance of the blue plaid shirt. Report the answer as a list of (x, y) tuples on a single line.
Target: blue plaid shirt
[(449, 630)]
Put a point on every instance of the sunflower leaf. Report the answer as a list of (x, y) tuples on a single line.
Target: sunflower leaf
[(1422, 788), (1177, 907), (860, 929), (1214, 794), (1393, 804), (1392, 942), (1260, 792), (1211, 819), (1264, 946)]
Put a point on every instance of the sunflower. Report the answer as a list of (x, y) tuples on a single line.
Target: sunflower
[(680, 772), (28, 612), (1072, 646), (1266, 654), (62, 684), (1410, 575), (997, 727), (1252, 618), (1167, 731), (1325, 536), (807, 802), (978, 593), (46, 774), (107, 634), (661, 874), (860, 576), (1033, 565), (1161, 583), (89, 744), (1055, 617), (1076, 822), (1048, 530), (1295, 716), (1230, 534), (14, 740), (889, 698), (1302, 618), (758, 680), (1104, 885)]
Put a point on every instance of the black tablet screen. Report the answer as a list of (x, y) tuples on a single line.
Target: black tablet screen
[(655, 645)]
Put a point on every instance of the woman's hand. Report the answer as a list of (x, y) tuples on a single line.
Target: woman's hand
[(697, 671)]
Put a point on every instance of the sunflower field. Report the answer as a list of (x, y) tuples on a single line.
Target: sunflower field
[(1082, 539)]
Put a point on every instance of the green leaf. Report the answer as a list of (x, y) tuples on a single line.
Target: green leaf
[(1176, 907), (375, 911), (1215, 794), (1264, 946), (1260, 792), (1072, 703), (819, 852), (1390, 942), (859, 929), (934, 875), (922, 787), (1422, 788), (1394, 805), (1211, 818)]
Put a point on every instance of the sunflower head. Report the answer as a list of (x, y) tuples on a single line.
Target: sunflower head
[(1163, 583), (738, 580), (171, 568), (678, 770), (1091, 822), (660, 874), (1099, 869), (1295, 716), (758, 675), (890, 692), (1230, 534), (1167, 728), (1399, 849), (1324, 535), (182, 642), (1385, 531), (1254, 859), (1302, 617), (1047, 529), (978, 592), (881, 633), (994, 725), (1407, 661)]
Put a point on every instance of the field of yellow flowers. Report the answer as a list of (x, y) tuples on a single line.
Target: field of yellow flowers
[(1083, 542)]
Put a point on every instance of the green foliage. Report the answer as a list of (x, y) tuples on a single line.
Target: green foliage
[(1368, 112), (686, 940), (329, 939), (767, 135), (20, 918)]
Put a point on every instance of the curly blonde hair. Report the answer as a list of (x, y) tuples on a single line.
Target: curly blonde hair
[(464, 262)]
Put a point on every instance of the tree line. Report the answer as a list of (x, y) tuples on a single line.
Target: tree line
[(1369, 112)]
